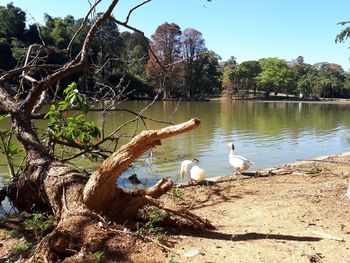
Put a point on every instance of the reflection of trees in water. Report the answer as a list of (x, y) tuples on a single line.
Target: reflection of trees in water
[(281, 118), (221, 120), (186, 146)]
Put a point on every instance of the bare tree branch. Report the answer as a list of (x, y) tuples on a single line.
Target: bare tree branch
[(90, 35), (69, 47), (35, 93), (96, 150), (133, 9), (144, 38), (15, 71), (69, 68)]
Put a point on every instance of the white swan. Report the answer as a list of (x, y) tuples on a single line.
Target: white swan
[(238, 162), (191, 170)]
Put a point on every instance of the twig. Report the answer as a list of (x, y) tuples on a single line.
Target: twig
[(133, 9), (69, 47), (145, 237)]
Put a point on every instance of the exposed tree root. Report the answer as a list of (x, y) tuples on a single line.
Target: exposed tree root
[(182, 212)]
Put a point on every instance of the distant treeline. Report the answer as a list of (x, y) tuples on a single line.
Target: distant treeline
[(173, 62), (274, 75)]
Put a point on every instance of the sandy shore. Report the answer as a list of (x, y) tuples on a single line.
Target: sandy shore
[(297, 212), (294, 213)]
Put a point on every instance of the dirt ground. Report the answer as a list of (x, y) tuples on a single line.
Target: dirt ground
[(294, 213), (297, 213)]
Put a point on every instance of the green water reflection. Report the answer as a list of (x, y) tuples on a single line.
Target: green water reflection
[(268, 133)]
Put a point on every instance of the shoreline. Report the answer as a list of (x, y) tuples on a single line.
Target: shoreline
[(270, 170), (292, 100), (296, 213)]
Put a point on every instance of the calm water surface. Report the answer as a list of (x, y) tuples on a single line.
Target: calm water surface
[(267, 133)]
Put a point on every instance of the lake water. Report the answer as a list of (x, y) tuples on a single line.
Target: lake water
[(267, 133)]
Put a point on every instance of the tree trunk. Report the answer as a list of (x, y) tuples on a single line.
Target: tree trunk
[(72, 194)]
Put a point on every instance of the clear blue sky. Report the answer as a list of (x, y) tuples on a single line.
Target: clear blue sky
[(246, 29)]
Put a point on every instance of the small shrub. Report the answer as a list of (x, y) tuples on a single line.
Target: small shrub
[(155, 215), (13, 233), (11, 259), (98, 256), (39, 223), (175, 194), (315, 169), (172, 260), (22, 248)]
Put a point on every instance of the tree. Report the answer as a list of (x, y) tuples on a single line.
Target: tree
[(306, 81), (209, 82), (77, 200), (346, 86), (344, 33), (245, 76), (328, 79), (162, 71), (301, 75), (193, 46), (275, 76), (134, 53), (228, 87), (12, 22)]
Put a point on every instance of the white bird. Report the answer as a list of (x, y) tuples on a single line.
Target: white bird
[(191, 170), (238, 162)]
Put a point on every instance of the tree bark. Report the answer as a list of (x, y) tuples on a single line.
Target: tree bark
[(100, 189)]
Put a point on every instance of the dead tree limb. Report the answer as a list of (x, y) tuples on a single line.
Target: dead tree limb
[(101, 186)]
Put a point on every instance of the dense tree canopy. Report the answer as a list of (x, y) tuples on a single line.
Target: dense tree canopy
[(12, 22), (274, 75), (178, 65)]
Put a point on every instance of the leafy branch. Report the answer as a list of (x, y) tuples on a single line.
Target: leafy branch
[(8, 148), (73, 129)]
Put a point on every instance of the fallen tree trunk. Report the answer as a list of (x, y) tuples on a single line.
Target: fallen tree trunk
[(100, 188), (71, 193)]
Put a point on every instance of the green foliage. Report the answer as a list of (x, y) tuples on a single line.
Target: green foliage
[(11, 259), (344, 33), (134, 53), (315, 168), (39, 223), (21, 249), (98, 256), (12, 22), (155, 215), (13, 233), (243, 77), (8, 148), (275, 76), (175, 194), (172, 260), (72, 129)]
